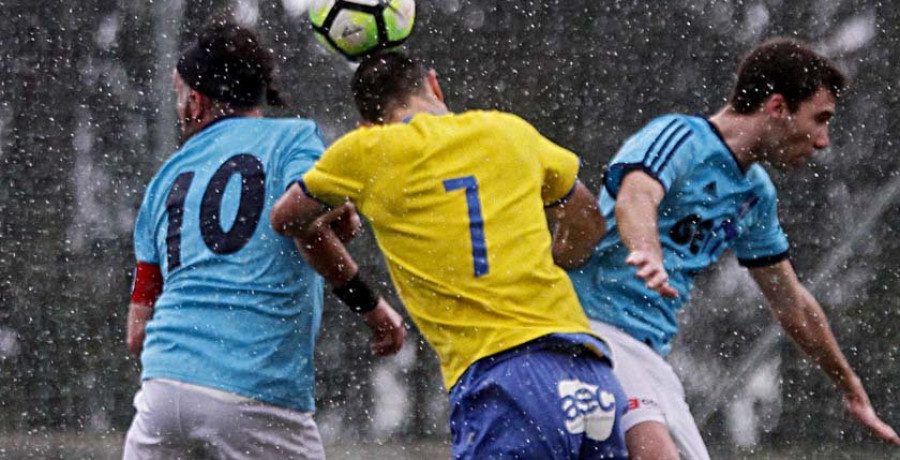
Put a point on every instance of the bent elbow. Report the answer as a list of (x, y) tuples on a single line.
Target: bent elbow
[(278, 219), (569, 262)]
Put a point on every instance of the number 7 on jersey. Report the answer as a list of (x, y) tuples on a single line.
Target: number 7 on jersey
[(476, 221)]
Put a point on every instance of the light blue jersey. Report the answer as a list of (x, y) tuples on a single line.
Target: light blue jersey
[(710, 205), (240, 309)]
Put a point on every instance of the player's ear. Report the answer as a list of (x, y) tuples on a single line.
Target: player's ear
[(176, 80), (776, 106), (434, 86), (197, 105)]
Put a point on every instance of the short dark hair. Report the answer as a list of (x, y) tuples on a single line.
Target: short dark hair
[(787, 67), (228, 63), (383, 81)]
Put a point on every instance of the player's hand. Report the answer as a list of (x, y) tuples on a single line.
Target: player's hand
[(650, 269), (861, 409), (387, 329), (346, 223)]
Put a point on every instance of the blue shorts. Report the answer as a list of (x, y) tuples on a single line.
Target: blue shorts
[(551, 398)]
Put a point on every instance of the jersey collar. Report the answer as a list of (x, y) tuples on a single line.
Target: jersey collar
[(410, 117), (718, 134)]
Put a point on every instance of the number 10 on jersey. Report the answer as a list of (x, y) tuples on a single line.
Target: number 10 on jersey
[(476, 221)]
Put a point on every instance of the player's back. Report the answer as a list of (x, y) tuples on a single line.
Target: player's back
[(239, 309), (457, 205)]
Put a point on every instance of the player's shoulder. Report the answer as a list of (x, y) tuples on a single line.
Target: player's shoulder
[(297, 127), (372, 135), (388, 140), (499, 123), (763, 186), (162, 179), (271, 134), (289, 123), (668, 132), (495, 116), (676, 122), (498, 118)]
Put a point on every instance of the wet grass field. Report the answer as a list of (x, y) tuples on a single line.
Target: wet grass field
[(98, 446)]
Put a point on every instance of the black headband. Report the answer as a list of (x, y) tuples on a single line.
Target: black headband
[(223, 76)]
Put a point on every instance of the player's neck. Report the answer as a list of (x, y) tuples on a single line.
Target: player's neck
[(216, 115), (213, 116), (741, 133), (416, 106)]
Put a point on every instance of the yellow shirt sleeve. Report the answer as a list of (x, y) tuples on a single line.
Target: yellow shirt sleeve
[(560, 172), (560, 166), (341, 173)]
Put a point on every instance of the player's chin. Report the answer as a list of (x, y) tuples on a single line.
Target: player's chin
[(798, 163), (381, 350), (789, 165)]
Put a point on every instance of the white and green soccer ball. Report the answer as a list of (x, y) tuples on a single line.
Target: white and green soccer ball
[(359, 28)]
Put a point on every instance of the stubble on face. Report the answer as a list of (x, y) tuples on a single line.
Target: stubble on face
[(805, 131)]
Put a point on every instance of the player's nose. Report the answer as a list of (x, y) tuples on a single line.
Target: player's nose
[(821, 141)]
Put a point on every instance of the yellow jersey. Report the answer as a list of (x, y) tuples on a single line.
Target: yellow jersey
[(457, 202)]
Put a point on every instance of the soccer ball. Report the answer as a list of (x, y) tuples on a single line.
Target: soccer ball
[(360, 28)]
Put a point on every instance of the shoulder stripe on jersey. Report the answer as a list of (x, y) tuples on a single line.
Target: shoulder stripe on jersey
[(671, 153), (664, 150), (646, 161)]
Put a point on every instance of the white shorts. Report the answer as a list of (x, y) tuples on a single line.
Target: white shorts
[(654, 392), (177, 420)]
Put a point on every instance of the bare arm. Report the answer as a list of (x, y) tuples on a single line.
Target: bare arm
[(147, 287), (323, 249), (637, 206), (313, 226), (297, 215), (326, 253), (578, 226), (803, 319), (138, 316)]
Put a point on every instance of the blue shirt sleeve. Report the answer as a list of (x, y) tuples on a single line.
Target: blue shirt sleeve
[(764, 242), (662, 149), (303, 155), (144, 241)]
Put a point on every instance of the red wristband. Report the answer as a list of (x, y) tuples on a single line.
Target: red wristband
[(148, 284)]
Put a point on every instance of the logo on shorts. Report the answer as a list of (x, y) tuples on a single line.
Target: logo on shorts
[(588, 409), (635, 403)]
